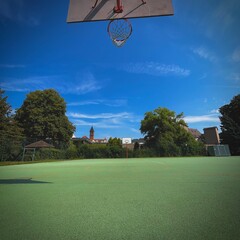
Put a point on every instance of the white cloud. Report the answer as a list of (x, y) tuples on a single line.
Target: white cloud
[(17, 11), (83, 103), (12, 66), (106, 102), (203, 76), (220, 19), (78, 85), (135, 130), (214, 111), (122, 120), (114, 102), (83, 83), (21, 85), (85, 86), (235, 77), (101, 115), (100, 124), (236, 55), (157, 69), (222, 13), (203, 118), (204, 53)]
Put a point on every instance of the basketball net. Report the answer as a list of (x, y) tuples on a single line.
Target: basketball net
[(119, 31)]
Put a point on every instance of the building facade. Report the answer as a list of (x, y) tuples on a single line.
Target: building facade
[(96, 140)]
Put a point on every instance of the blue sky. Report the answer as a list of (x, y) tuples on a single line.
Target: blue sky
[(189, 63)]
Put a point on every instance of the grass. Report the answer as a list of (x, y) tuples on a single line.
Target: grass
[(155, 198)]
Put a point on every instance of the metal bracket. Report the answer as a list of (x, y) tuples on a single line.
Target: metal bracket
[(118, 8)]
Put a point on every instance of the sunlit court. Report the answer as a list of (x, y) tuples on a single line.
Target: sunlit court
[(119, 120), (151, 198)]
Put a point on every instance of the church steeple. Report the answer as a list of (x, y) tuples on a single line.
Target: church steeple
[(91, 133)]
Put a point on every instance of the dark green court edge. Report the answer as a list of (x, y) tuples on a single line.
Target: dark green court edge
[(151, 198)]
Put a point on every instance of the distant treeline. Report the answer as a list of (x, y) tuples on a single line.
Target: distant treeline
[(101, 151)]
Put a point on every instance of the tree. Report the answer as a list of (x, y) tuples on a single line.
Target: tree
[(42, 116), (114, 142), (136, 146), (5, 110), (158, 123), (230, 125), (11, 135), (165, 133)]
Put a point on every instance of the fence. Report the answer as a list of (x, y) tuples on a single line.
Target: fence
[(218, 150)]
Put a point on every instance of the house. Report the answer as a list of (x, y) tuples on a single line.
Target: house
[(91, 139), (212, 143), (140, 141), (82, 140), (195, 133), (211, 136), (96, 140)]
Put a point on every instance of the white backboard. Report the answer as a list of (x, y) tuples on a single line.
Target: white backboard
[(98, 10), (126, 141)]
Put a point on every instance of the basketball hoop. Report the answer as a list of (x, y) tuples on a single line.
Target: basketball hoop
[(116, 12), (119, 31)]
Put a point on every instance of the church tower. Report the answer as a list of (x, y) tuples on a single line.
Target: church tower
[(91, 133)]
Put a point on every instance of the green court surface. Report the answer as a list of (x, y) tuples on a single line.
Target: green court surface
[(152, 198)]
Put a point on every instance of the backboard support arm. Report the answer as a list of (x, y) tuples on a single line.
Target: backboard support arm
[(118, 8)]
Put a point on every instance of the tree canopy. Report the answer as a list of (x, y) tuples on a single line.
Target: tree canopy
[(165, 131), (42, 116), (11, 135), (230, 125), (5, 110), (8, 126), (114, 142)]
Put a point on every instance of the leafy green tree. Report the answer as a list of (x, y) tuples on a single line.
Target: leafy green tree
[(114, 142), (11, 135), (158, 123), (230, 125), (5, 110), (165, 133), (136, 146), (42, 116)]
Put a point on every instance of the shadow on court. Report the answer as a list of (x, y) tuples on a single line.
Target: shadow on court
[(21, 181)]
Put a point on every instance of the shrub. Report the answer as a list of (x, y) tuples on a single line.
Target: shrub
[(71, 152), (145, 152), (49, 153)]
